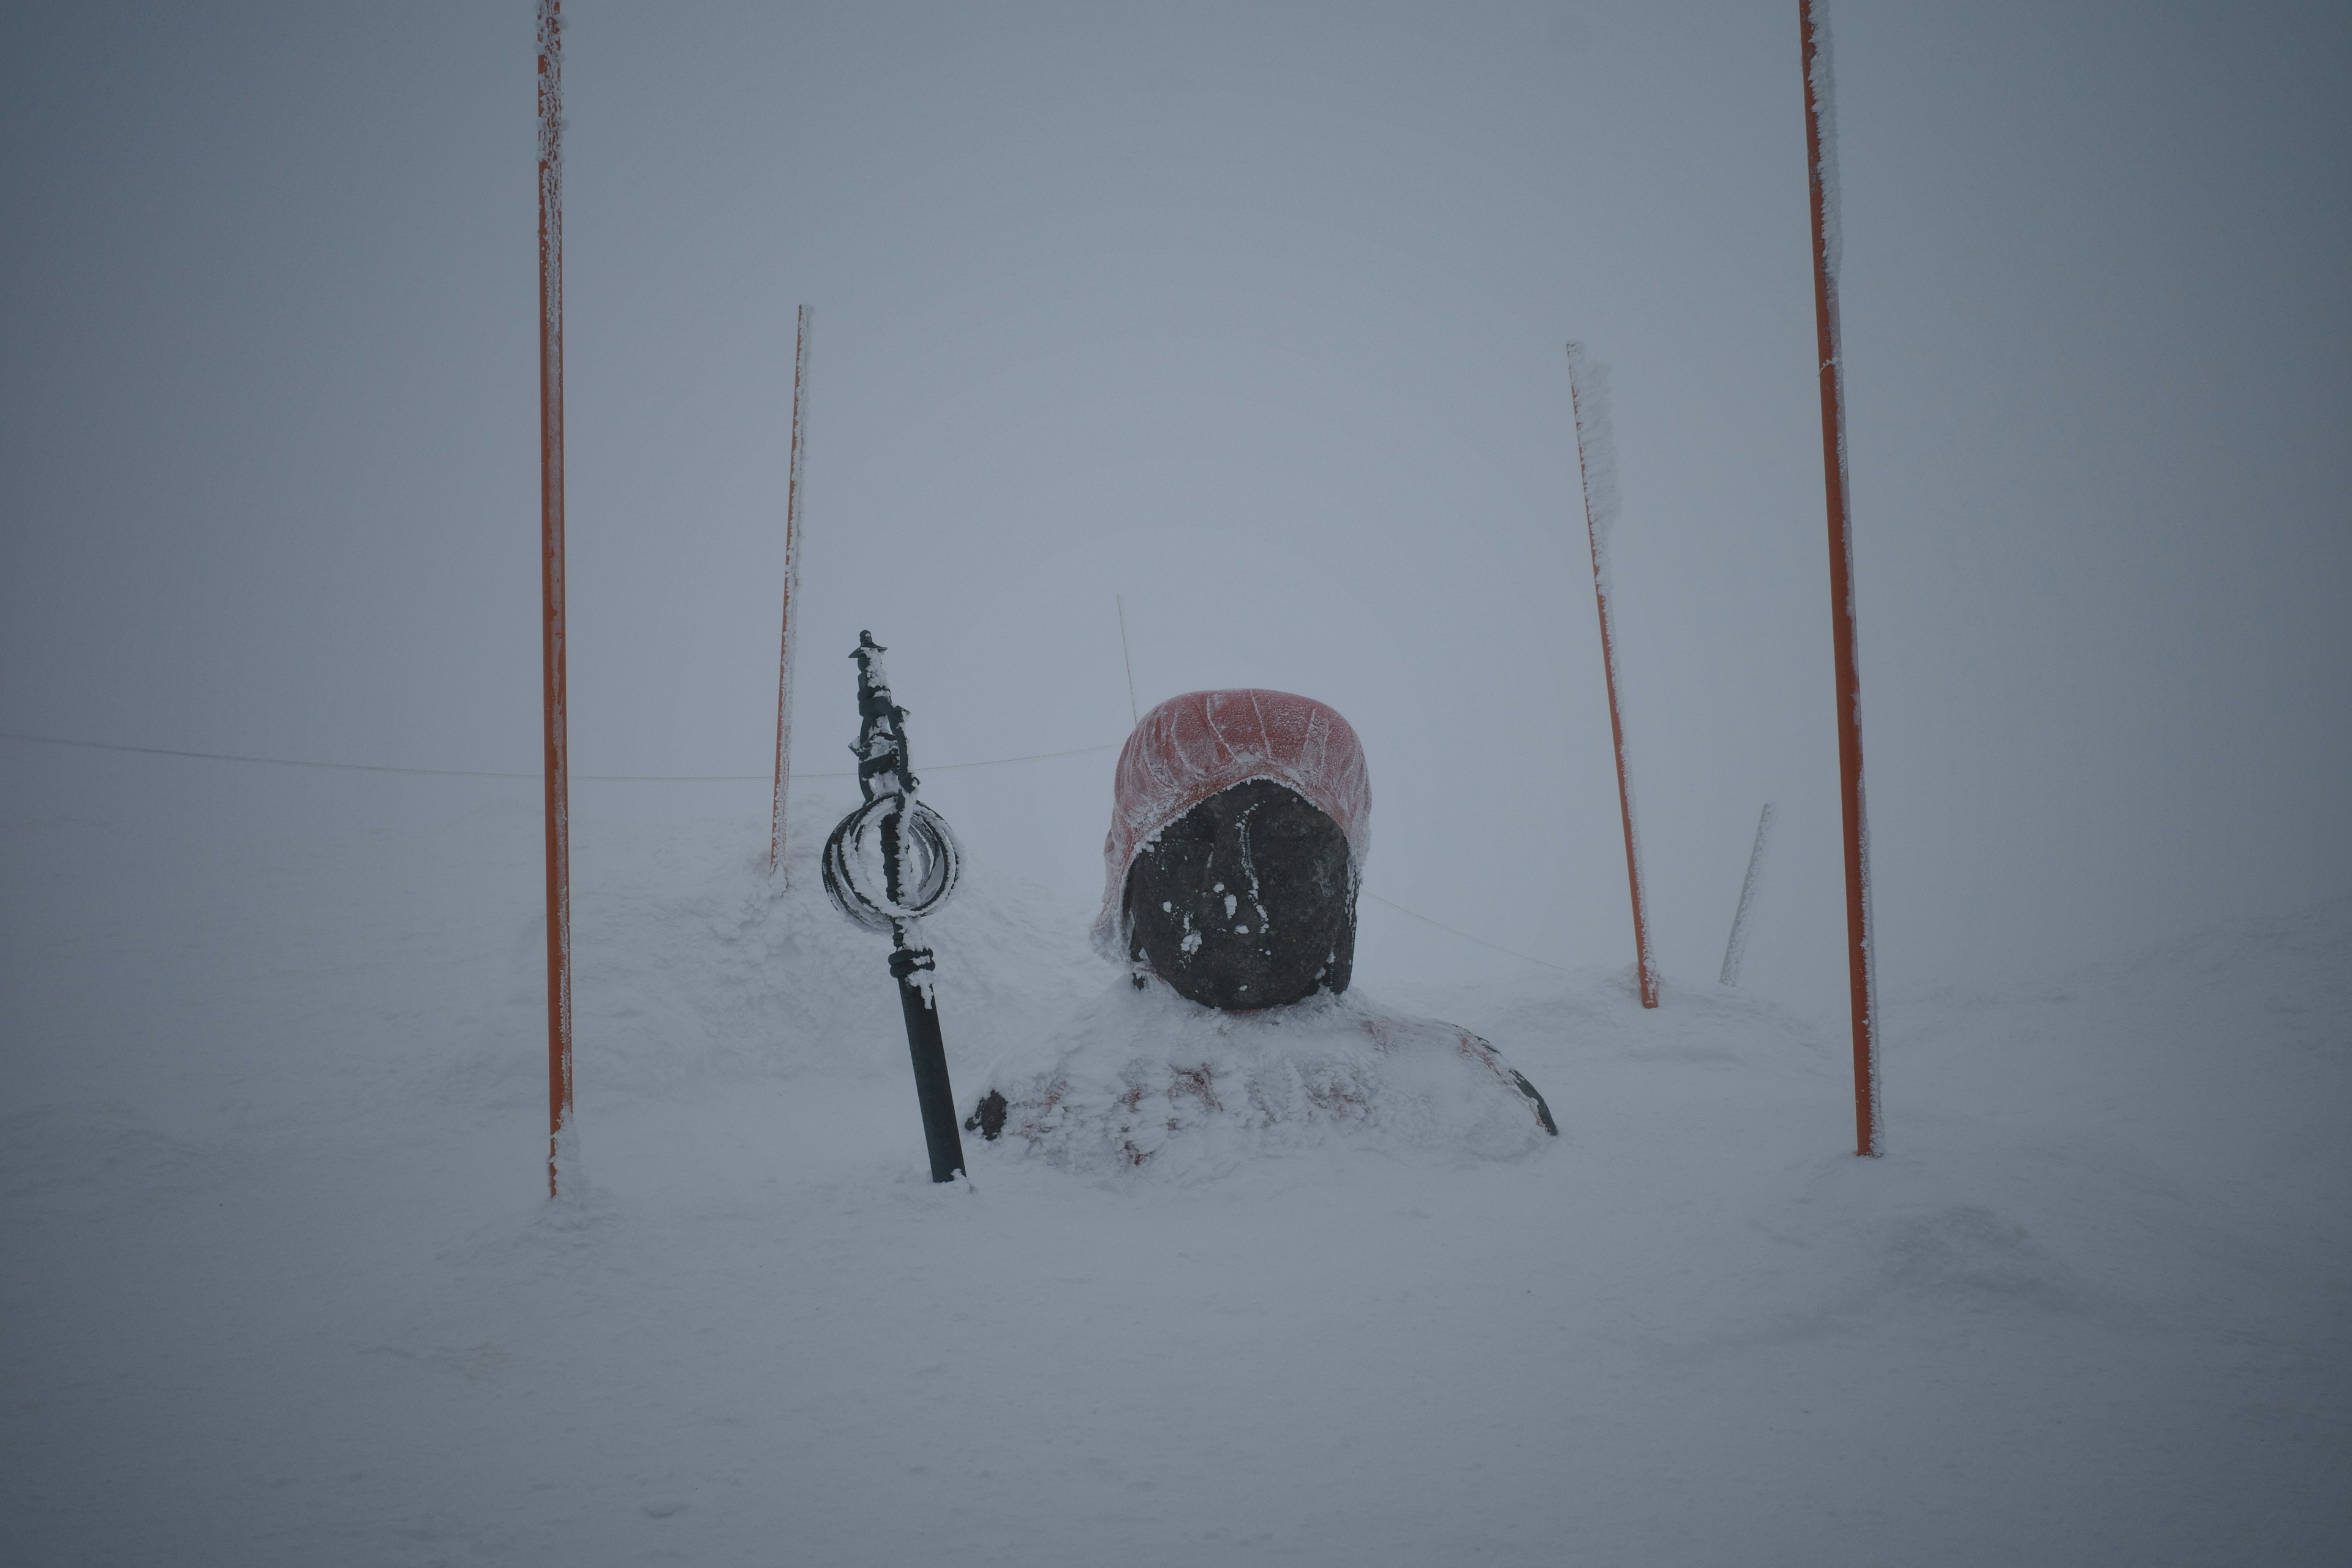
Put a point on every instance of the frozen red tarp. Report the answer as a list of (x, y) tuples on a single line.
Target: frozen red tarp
[(1190, 747)]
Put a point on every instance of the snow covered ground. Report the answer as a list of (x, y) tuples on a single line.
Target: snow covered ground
[(280, 1288)]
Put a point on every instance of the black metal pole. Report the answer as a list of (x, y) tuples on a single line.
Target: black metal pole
[(902, 826), (912, 966)]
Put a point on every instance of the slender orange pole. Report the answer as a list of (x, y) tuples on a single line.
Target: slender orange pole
[(556, 761), (1821, 154), (1590, 416), (792, 593)]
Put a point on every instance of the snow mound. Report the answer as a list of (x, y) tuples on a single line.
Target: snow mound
[(281, 1287), (1143, 1080), (695, 963)]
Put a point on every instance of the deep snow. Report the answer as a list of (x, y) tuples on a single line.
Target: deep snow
[(280, 1287)]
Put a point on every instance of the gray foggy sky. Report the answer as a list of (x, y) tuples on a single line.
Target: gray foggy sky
[(1253, 315)]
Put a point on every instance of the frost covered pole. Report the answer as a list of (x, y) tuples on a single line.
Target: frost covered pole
[(1596, 467), (1821, 166), (556, 765), (792, 593), (888, 864), (1737, 944)]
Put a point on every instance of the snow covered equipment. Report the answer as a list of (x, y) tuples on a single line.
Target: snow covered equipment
[(888, 864), (1239, 825), (1246, 900), (1146, 1080)]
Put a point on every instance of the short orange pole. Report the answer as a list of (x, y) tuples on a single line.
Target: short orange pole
[(1590, 416), (791, 594), (1821, 154), (555, 761)]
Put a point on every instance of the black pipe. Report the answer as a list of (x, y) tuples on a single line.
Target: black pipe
[(912, 967), (891, 808)]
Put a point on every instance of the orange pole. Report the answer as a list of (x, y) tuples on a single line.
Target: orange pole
[(1644, 962), (556, 763), (1861, 955), (792, 591)]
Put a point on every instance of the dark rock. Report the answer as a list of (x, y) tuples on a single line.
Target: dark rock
[(1247, 900), (988, 1120)]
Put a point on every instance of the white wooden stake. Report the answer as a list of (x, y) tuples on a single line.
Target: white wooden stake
[(1737, 946), (792, 593)]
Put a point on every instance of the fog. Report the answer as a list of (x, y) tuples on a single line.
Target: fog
[(1253, 317)]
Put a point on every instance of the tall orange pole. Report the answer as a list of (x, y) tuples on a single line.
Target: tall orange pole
[(555, 762), (1821, 154), (1590, 415), (792, 593)]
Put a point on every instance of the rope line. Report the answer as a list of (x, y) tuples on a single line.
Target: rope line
[(1464, 935), (498, 774), (274, 762), (688, 778)]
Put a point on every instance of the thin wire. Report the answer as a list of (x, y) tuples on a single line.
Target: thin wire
[(275, 761), (1134, 708), (686, 778), (1464, 935), (497, 774)]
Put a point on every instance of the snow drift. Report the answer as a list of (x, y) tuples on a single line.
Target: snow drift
[(279, 1286)]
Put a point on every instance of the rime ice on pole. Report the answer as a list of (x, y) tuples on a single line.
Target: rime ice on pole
[(1596, 452), (1596, 462), (1820, 131), (556, 754), (887, 864), (1737, 945), (1822, 84), (777, 860)]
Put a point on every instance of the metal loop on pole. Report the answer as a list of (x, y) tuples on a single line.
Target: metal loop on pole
[(890, 863), (857, 854)]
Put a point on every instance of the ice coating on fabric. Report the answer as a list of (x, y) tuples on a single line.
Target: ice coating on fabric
[(1144, 1081), (1190, 747)]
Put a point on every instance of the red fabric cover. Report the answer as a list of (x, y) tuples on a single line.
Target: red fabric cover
[(1190, 747)]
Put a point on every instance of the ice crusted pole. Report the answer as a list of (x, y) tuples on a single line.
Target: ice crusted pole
[(1737, 944), (776, 861), (890, 863), (555, 769), (1596, 467), (1862, 964)]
